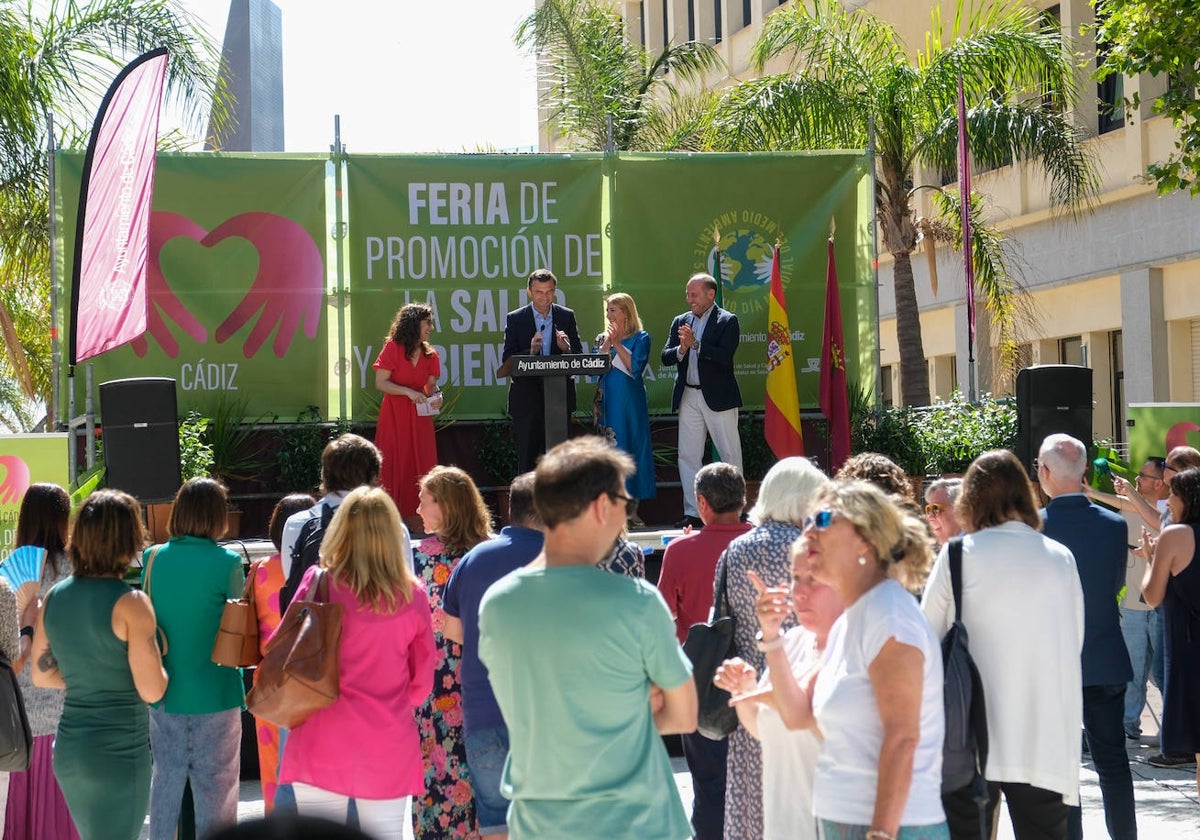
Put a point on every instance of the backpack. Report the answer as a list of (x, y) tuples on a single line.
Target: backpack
[(16, 738), (965, 749), (306, 551)]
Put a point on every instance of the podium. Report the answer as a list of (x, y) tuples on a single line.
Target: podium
[(554, 370)]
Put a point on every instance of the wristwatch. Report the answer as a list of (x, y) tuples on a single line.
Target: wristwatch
[(766, 646)]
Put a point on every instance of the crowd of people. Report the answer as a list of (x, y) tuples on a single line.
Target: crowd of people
[(518, 682)]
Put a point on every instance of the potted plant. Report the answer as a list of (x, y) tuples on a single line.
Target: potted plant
[(237, 455), (195, 460)]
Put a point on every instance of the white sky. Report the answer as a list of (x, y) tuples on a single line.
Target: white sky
[(405, 75)]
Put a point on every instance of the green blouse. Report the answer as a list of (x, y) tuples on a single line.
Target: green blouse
[(189, 582)]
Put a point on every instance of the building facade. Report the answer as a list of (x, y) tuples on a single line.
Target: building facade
[(1115, 289)]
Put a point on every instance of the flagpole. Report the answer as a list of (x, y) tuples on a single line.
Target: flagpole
[(964, 196), (55, 350), (717, 266), (337, 153), (878, 373)]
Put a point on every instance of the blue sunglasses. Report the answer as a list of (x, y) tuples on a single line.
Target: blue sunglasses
[(820, 520)]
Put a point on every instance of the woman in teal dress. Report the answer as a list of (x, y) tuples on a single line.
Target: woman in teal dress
[(625, 413), (95, 637)]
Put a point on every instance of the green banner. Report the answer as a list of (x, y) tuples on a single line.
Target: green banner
[(239, 287), (462, 233), (26, 460), (236, 281), (1157, 428), (665, 212)]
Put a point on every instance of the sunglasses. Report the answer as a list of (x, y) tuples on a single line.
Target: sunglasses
[(820, 520), (934, 510), (630, 502)]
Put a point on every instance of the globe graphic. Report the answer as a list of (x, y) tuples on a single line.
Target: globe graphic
[(746, 261)]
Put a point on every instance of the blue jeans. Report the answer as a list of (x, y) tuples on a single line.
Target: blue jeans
[(830, 830), (1143, 634), (203, 749), (1103, 706), (486, 751)]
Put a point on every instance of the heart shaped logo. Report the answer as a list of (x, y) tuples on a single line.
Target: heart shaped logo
[(15, 480), (287, 293)]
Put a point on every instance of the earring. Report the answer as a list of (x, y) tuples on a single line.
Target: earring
[(862, 561)]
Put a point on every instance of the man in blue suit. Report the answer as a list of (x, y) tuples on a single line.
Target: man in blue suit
[(702, 343), (542, 328), (1097, 538)]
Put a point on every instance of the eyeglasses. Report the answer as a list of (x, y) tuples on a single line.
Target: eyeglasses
[(934, 510), (630, 502), (1169, 467), (820, 520), (1149, 477)]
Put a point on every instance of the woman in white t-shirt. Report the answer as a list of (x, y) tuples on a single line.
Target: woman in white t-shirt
[(765, 704), (877, 698)]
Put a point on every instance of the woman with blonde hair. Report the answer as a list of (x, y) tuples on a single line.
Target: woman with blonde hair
[(624, 409), (365, 746), (877, 699), (457, 520)]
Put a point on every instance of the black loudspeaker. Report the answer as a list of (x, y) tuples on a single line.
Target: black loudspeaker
[(141, 437), (1052, 399)]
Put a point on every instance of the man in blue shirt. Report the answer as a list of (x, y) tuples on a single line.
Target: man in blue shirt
[(483, 725)]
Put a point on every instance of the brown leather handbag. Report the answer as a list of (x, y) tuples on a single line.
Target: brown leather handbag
[(299, 670), (236, 645)]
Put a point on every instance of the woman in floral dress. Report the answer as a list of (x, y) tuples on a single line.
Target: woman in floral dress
[(456, 519)]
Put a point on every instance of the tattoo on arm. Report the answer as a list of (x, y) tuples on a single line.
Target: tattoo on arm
[(46, 662)]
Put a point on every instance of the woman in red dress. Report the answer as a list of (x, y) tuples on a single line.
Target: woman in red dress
[(407, 372)]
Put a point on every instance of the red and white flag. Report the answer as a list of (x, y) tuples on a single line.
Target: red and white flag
[(108, 290), (834, 390)]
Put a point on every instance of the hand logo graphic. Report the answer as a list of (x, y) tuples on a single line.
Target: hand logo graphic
[(288, 289), (1177, 435), (15, 481), (289, 286), (160, 298)]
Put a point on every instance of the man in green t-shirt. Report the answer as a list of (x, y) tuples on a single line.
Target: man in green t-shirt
[(586, 668)]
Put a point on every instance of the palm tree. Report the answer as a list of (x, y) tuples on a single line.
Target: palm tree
[(56, 61), (604, 92), (849, 71)]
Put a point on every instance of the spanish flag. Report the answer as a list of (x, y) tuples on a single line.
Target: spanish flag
[(781, 424)]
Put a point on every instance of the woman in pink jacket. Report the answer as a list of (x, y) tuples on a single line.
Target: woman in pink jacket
[(365, 746)]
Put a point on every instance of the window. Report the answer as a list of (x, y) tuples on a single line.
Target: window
[(1024, 357), (717, 21), (1117, 354), (745, 13), (1070, 351), (1111, 96), (1052, 20), (691, 20), (885, 386), (642, 21)]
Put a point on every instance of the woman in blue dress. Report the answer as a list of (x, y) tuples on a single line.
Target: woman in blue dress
[(624, 412)]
